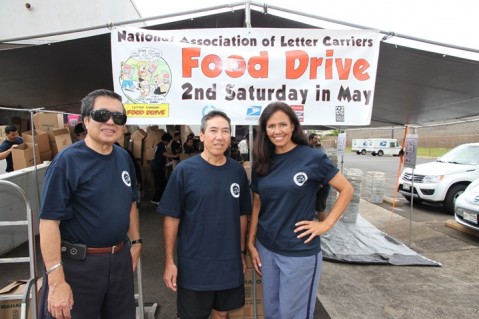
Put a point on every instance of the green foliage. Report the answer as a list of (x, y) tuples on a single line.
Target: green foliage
[(334, 132)]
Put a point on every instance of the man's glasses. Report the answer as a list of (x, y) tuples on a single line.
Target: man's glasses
[(103, 116)]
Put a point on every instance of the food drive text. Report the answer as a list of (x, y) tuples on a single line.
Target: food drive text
[(297, 64)]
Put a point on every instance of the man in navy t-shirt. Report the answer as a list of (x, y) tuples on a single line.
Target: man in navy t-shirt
[(89, 207), (205, 207), (11, 141)]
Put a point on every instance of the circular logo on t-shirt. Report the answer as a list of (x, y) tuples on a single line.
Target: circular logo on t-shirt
[(126, 178), (235, 190), (300, 178)]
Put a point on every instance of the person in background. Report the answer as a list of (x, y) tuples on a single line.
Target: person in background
[(284, 238), (205, 208), (234, 149), (192, 136), (176, 144), (79, 131), (313, 140), (244, 148), (88, 210), (188, 147), (323, 192), (158, 166), (12, 140)]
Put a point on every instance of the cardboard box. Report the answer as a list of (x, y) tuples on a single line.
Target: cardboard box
[(138, 136), (48, 121), (11, 309), (248, 310), (153, 137), (22, 156), (46, 156), (148, 155), (59, 139), (2, 132), (184, 156), (124, 140), (41, 138)]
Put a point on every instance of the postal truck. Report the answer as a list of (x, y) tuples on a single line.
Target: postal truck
[(383, 146)]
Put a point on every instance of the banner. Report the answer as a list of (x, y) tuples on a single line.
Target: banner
[(175, 77)]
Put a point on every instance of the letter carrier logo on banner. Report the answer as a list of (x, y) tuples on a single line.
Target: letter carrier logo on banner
[(169, 76), (253, 111)]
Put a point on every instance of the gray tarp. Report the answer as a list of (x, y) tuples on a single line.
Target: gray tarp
[(363, 243)]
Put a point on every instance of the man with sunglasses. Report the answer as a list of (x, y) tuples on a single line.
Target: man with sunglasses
[(88, 209)]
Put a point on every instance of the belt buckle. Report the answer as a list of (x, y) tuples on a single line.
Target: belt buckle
[(113, 249)]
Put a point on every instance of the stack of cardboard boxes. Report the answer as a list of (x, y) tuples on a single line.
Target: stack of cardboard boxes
[(11, 309), (50, 136), (251, 281)]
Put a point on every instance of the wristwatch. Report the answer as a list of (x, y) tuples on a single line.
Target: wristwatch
[(138, 241)]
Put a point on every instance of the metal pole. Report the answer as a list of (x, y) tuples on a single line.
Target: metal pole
[(109, 25), (410, 210), (141, 303), (31, 247), (250, 155)]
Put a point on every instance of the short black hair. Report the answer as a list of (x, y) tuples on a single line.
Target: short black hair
[(166, 137), (10, 128), (211, 115), (88, 101)]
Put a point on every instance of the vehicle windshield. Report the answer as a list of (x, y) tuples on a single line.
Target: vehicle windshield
[(463, 154)]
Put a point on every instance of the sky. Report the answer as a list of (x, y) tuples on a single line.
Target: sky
[(451, 22)]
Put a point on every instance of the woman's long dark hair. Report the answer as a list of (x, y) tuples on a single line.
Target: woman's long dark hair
[(263, 148)]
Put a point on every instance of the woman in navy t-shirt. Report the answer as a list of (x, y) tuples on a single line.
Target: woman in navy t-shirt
[(284, 241)]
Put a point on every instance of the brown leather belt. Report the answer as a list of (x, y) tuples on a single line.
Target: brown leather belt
[(106, 250)]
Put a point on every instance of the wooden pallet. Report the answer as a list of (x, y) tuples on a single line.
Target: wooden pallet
[(455, 225)]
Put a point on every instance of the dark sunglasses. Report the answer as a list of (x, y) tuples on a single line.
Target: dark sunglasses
[(103, 116)]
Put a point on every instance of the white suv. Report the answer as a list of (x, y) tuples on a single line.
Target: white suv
[(445, 179)]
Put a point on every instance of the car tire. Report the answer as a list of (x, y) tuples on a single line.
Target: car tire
[(451, 196), (363, 152), (358, 152), (380, 153)]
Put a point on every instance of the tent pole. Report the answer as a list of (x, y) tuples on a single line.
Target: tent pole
[(247, 24)]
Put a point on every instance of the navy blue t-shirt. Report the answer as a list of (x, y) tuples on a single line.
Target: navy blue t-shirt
[(288, 195), (91, 194), (5, 146), (209, 201)]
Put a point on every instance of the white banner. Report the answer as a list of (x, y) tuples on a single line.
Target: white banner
[(175, 77)]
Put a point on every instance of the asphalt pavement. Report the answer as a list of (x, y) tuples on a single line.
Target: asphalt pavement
[(348, 290)]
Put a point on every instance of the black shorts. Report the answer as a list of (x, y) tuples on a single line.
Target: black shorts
[(321, 198), (198, 304)]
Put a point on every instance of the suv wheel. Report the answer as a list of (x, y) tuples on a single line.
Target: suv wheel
[(451, 196)]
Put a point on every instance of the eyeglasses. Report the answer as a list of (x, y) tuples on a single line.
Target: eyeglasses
[(103, 116)]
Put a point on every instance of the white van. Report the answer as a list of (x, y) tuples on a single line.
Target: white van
[(359, 145), (383, 146)]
